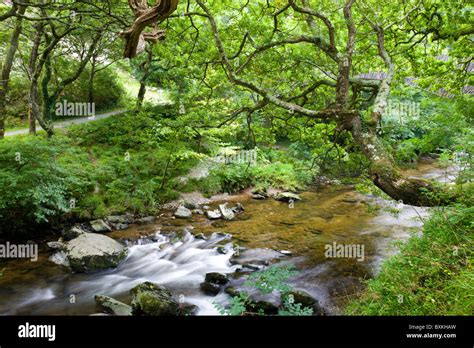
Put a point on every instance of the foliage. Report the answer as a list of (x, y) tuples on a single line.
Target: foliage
[(272, 279), (433, 273), (33, 186)]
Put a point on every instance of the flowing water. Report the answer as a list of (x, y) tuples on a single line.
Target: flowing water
[(166, 252)]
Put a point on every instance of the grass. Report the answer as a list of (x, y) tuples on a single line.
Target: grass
[(432, 275)]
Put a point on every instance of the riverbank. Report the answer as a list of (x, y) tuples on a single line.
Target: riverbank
[(432, 275)]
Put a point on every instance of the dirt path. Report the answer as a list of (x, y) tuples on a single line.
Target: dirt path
[(67, 123)]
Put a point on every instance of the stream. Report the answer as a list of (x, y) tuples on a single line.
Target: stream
[(168, 253)]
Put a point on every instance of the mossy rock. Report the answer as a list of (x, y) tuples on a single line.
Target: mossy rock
[(151, 299)]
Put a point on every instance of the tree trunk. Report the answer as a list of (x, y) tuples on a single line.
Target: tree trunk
[(140, 97), (7, 68), (91, 80), (33, 113), (146, 72), (35, 109), (32, 123), (387, 177)]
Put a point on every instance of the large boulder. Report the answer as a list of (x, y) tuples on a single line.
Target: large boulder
[(91, 252), (112, 306), (183, 213), (153, 300)]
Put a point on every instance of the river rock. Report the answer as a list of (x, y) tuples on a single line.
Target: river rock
[(259, 256), (232, 291), (57, 246), (119, 219), (350, 200), (217, 278), (285, 252), (183, 213), (287, 197), (256, 303), (72, 233), (91, 252), (210, 288), (153, 300), (238, 209), (258, 197), (112, 306), (190, 205), (118, 226), (188, 310), (227, 213), (146, 220), (198, 212), (99, 226), (301, 297), (222, 249), (213, 214), (200, 236), (266, 307)]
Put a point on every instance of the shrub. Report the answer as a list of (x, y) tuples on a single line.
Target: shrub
[(33, 185)]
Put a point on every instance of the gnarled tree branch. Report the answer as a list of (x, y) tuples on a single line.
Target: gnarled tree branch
[(146, 16)]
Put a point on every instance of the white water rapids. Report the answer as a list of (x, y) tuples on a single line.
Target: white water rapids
[(180, 266)]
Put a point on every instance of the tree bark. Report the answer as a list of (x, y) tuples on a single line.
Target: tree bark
[(146, 16), (387, 176), (7, 68), (146, 66), (49, 99), (91, 80), (34, 70), (33, 113)]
